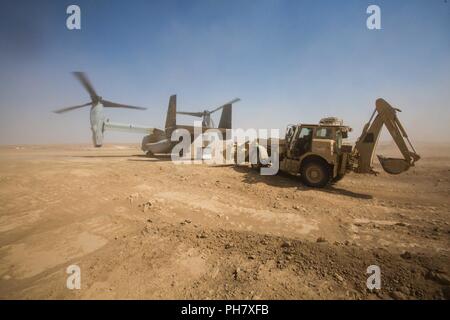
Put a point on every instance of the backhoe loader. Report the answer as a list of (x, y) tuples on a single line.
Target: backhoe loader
[(317, 153)]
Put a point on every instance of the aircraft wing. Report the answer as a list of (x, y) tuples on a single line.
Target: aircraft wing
[(115, 126)]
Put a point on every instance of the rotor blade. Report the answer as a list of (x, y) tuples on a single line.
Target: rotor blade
[(72, 108), (82, 77), (109, 104), (194, 114), (230, 102)]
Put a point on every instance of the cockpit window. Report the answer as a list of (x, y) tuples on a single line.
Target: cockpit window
[(324, 133), (305, 132), (289, 131)]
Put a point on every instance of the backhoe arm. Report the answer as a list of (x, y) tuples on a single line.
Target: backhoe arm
[(365, 146)]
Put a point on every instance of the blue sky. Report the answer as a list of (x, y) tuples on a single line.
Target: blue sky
[(289, 61)]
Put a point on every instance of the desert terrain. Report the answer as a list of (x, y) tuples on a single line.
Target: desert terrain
[(147, 228)]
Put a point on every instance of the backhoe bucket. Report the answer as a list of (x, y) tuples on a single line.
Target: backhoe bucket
[(393, 165)]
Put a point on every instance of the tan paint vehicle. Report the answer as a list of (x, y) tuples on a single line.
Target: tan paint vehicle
[(318, 154)]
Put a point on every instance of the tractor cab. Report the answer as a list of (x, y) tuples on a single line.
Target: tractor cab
[(323, 138)]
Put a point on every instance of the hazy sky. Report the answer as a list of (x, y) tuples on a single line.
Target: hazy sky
[(289, 61)]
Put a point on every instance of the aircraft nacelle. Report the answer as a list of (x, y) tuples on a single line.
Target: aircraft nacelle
[(97, 125), (97, 104)]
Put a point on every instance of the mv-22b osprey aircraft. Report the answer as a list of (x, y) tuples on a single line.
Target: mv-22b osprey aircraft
[(156, 141)]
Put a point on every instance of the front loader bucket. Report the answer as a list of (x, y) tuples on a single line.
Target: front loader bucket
[(393, 165)]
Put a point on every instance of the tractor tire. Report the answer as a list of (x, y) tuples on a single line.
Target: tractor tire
[(316, 173)]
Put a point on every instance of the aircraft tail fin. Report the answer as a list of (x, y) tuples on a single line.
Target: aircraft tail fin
[(225, 118), (171, 118)]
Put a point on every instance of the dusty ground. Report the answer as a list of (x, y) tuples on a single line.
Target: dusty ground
[(147, 228)]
